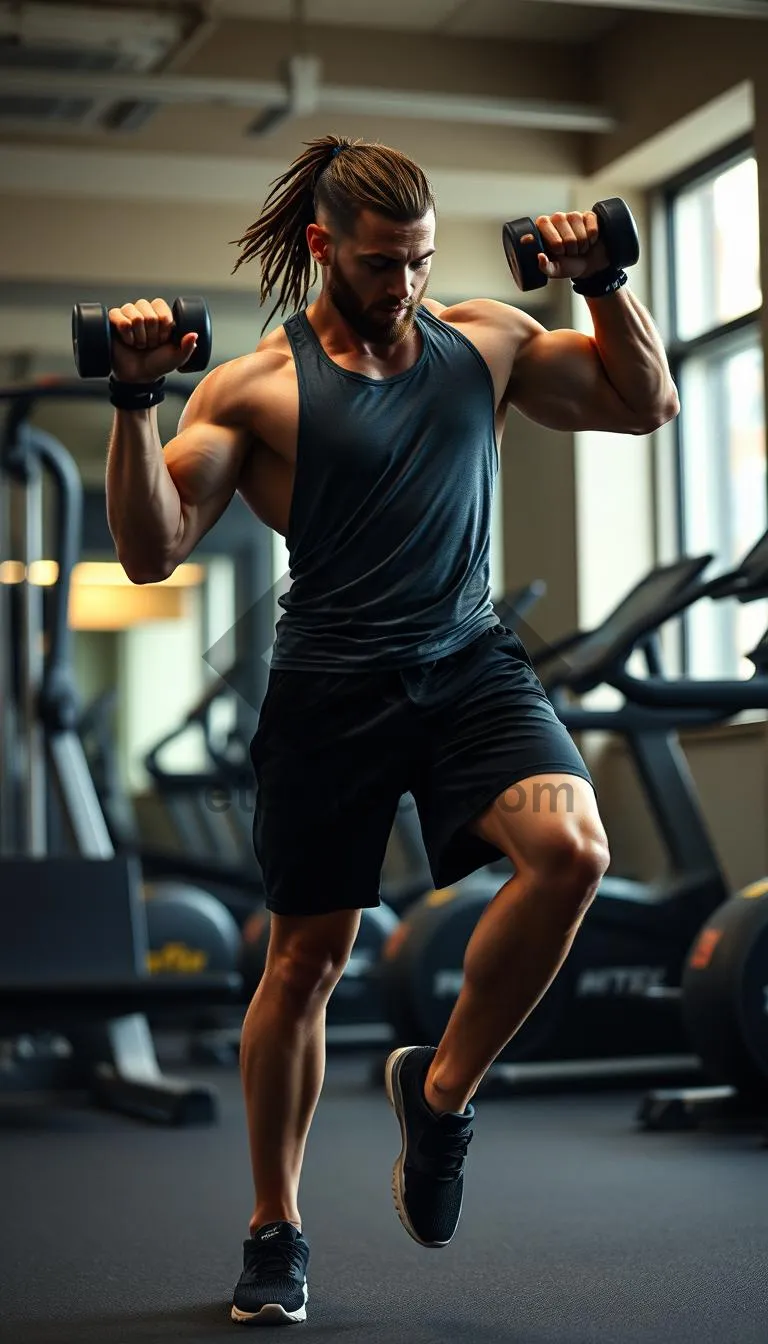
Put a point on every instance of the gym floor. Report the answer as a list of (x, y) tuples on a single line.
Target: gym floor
[(577, 1229)]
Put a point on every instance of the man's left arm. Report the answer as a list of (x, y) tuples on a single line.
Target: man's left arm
[(632, 353), (619, 379)]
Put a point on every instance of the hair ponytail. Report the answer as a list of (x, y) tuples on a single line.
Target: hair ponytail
[(371, 176)]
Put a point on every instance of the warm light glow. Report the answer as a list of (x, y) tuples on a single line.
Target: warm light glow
[(11, 571), (104, 598), (108, 574), (101, 607), (45, 573)]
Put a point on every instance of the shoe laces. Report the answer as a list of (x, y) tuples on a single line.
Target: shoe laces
[(276, 1257), (444, 1155)]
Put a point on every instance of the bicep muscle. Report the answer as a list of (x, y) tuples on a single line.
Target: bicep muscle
[(204, 462), (558, 380)]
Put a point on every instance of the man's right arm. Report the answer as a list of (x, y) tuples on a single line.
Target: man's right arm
[(161, 502)]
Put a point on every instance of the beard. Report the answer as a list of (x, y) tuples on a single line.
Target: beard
[(374, 323)]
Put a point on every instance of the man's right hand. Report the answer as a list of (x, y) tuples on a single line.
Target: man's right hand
[(142, 347)]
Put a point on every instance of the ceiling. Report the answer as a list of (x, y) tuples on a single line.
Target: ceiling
[(532, 20), (527, 19)]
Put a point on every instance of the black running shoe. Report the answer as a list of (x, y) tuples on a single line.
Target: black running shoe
[(428, 1176), (272, 1289)]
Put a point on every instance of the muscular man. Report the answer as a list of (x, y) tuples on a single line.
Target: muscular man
[(365, 430)]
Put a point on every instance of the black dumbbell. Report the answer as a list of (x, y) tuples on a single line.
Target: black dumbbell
[(92, 336), (616, 228)]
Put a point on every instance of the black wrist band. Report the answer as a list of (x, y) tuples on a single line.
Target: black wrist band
[(135, 396), (601, 283)]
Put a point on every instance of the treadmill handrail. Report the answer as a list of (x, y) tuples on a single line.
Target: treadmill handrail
[(618, 647), (747, 581), (726, 696)]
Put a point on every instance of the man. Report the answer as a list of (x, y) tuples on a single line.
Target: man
[(365, 431)]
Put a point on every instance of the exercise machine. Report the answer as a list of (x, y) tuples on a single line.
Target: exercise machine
[(208, 807), (722, 993), (73, 964)]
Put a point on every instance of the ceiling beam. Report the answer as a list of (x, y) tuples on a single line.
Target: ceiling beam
[(106, 174), (722, 9), (540, 113)]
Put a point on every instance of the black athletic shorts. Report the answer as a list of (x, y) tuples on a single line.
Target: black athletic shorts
[(335, 751)]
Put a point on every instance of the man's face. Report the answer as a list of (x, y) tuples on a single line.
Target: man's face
[(377, 278)]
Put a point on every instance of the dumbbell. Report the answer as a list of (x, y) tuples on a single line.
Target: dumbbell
[(616, 229), (92, 336)]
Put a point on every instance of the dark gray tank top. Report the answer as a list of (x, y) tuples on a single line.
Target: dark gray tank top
[(389, 526)]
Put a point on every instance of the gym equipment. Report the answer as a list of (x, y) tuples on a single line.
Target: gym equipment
[(189, 932), (192, 933), (523, 242), (92, 336), (512, 607), (723, 991), (235, 881), (75, 960), (216, 806), (211, 812), (355, 1015), (594, 1023)]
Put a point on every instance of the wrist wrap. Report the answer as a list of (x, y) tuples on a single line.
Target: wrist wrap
[(601, 283), (135, 396)]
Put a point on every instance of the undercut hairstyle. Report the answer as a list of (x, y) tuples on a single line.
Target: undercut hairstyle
[(340, 177)]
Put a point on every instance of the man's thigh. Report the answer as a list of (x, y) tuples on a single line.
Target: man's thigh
[(496, 729), (329, 773)]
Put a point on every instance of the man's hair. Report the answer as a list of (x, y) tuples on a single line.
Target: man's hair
[(359, 176)]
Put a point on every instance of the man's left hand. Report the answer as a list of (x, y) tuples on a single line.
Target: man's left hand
[(574, 250)]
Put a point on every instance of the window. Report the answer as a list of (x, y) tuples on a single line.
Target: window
[(716, 357)]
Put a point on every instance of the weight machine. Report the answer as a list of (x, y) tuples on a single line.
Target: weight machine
[(73, 960)]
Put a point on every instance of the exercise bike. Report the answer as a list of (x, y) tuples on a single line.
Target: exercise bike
[(722, 993)]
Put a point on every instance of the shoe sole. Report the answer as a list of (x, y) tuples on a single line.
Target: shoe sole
[(395, 1094), (272, 1314)]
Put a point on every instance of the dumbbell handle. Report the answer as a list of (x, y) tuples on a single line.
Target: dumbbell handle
[(616, 229), (604, 233), (93, 335)]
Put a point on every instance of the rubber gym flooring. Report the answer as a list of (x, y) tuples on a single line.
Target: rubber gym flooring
[(576, 1229)]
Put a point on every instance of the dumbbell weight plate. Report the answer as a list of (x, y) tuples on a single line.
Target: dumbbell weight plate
[(91, 340), (618, 231), (522, 245), (193, 315)]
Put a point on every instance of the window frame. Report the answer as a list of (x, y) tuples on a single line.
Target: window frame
[(679, 350)]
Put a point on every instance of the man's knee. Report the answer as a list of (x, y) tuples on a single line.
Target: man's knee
[(566, 861), (308, 954), (574, 860), (568, 868)]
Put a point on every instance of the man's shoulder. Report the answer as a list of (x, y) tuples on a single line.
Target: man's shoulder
[(487, 312), (249, 369), (233, 391), (497, 331)]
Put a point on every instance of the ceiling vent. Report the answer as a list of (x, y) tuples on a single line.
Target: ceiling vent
[(76, 39)]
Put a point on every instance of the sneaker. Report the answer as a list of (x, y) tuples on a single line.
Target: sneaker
[(428, 1176), (272, 1289)]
